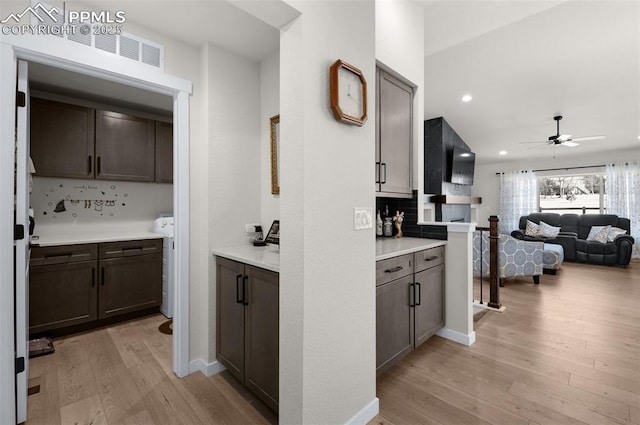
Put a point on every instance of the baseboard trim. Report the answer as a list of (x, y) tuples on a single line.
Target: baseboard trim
[(366, 414), (209, 369), (458, 337)]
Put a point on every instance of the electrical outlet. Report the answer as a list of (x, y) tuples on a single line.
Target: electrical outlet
[(362, 218)]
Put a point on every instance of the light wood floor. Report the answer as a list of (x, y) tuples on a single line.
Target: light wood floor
[(122, 375), (566, 351)]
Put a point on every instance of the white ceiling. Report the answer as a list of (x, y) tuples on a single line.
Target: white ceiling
[(195, 22), (531, 61), (523, 61)]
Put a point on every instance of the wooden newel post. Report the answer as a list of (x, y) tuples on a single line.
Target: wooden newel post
[(494, 288)]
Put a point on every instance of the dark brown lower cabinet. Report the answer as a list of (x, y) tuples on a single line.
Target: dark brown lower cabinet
[(394, 322), (248, 326), (409, 309), (62, 295), (429, 313), (129, 284), (75, 284)]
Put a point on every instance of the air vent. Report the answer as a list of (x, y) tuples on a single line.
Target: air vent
[(78, 37), (129, 48), (125, 45), (151, 55), (108, 43)]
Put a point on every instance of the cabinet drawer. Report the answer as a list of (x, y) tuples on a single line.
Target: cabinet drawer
[(393, 268), (429, 258), (62, 254), (130, 248)]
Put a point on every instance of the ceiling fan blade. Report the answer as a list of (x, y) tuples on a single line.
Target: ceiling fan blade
[(570, 144), (580, 139), (546, 141), (564, 137)]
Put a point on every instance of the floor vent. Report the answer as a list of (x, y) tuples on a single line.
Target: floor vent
[(101, 37)]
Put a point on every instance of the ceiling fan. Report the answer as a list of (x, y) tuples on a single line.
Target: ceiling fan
[(566, 139)]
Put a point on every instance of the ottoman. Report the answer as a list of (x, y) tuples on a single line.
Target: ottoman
[(552, 258)]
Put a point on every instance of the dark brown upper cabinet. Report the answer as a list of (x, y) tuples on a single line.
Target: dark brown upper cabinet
[(62, 139), (164, 152), (125, 147)]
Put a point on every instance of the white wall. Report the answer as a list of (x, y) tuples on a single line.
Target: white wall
[(487, 183), (400, 47), (132, 201), (327, 279), (269, 106), (234, 156)]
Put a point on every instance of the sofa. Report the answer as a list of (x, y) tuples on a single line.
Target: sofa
[(515, 257), (574, 231)]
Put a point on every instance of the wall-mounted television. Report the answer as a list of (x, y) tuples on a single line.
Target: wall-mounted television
[(462, 165)]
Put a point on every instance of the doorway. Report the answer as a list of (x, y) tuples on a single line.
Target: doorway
[(157, 82)]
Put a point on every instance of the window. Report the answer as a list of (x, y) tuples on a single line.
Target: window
[(576, 194)]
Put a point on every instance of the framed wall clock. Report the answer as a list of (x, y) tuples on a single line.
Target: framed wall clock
[(348, 93)]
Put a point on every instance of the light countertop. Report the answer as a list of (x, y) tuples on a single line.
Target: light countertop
[(92, 233), (393, 247), (265, 257), (268, 257)]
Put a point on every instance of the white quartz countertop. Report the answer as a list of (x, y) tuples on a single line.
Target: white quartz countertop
[(265, 257), (96, 233), (393, 247)]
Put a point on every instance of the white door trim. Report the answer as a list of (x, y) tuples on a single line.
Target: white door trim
[(56, 52), (22, 246), (7, 129)]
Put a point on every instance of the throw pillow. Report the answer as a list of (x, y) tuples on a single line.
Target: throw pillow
[(532, 229), (615, 231), (599, 234), (548, 231)]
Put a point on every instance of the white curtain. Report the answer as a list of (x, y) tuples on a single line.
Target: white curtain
[(518, 197), (622, 189)]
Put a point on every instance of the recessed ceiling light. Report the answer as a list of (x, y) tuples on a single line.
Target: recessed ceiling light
[(502, 152), (467, 98)]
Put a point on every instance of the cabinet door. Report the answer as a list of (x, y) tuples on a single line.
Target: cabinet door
[(395, 106), (62, 295), (230, 316), (394, 322), (262, 334), (125, 147), (164, 152), (429, 310), (129, 284), (62, 139)]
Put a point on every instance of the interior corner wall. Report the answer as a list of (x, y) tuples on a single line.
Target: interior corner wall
[(487, 183), (233, 163), (400, 47), (269, 107), (327, 269)]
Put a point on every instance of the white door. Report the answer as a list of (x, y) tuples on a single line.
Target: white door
[(22, 244)]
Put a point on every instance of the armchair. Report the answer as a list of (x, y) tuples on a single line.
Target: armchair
[(515, 257)]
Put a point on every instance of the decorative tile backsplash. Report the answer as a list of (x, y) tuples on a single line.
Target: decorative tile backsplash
[(56, 200)]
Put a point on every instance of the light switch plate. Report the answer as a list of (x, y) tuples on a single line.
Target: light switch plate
[(362, 218)]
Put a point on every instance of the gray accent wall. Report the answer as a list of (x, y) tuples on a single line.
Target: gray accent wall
[(439, 140)]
